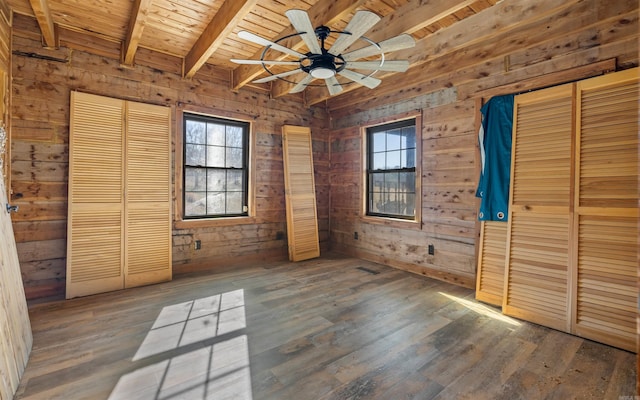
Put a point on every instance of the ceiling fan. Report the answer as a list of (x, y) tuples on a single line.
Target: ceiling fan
[(327, 64)]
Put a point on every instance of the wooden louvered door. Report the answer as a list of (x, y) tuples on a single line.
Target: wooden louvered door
[(119, 232), (147, 195), (606, 204), (300, 195), (96, 181), (491, 259), (537, 277)]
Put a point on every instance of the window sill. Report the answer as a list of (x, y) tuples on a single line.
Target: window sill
[(392, 222), (213, 222)]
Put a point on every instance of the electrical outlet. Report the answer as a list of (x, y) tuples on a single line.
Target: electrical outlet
[(431, 250), (355, 235), (197, 245)]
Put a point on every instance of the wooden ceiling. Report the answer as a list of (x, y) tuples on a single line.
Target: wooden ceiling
[(205, 31)]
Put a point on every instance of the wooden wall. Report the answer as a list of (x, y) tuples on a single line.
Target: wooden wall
[(513, 47), (42, 81)]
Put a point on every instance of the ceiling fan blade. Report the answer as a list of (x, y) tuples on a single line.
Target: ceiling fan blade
[(395, 43), (268, 62), (300, 86), (357, 77), (302, 24), (265, 42), (361, 22), (393, 65), (277, 76), (333, 85)]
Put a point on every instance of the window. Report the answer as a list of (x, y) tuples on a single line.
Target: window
[(391, 170), (215, 167)]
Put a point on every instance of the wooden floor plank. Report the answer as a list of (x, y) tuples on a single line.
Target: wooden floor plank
[(329, 328)]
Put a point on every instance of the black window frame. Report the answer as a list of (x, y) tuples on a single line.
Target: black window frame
[(385, 128), (245, 127)]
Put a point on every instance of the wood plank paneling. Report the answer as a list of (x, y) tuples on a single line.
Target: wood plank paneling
[(43, 129)]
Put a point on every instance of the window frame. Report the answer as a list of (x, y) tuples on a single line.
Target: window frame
[(387, 219), (181, 221)]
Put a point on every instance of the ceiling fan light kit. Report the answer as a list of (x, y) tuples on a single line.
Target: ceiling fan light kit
[(320, 63)]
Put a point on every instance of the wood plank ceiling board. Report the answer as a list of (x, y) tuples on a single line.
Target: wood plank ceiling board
[(204, 31), (410, 18)]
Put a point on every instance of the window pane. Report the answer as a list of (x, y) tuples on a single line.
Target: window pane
[(391, 182), (409, 158), (215, 203), (194, 154), (195, 132), (194, 203), (376, 204), (195, 179), (377, 182), (234, 136), (216, 180), (379, 141), (409, 137), (407, 207), (379, 161), (234, 181), (234, 158), (391, 206), (215, 134), (215, 156), (393, 159), (408, 182), (393, 139), (234, 202)]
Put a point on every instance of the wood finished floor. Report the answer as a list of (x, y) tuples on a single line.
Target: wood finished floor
[(330, 328)]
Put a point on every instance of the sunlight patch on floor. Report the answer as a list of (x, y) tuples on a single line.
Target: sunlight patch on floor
[(184, 356), (482, 309)]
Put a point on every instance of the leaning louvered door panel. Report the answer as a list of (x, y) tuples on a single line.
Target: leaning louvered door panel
[(300, 198), (147, 195), (94, 226), (538, 257), (607, 209), (491, 262)]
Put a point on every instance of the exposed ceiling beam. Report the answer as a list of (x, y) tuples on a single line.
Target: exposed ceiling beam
[(411, 17), (220, 27), (137, 22), (328, 12), (45, 21)]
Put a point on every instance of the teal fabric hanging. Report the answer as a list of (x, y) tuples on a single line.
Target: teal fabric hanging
[(495, 148)]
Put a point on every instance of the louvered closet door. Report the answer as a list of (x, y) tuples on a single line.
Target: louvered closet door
[(538, 258), (607, 209), (302, 223), (95, 216), (491, 262), (147, 196)]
